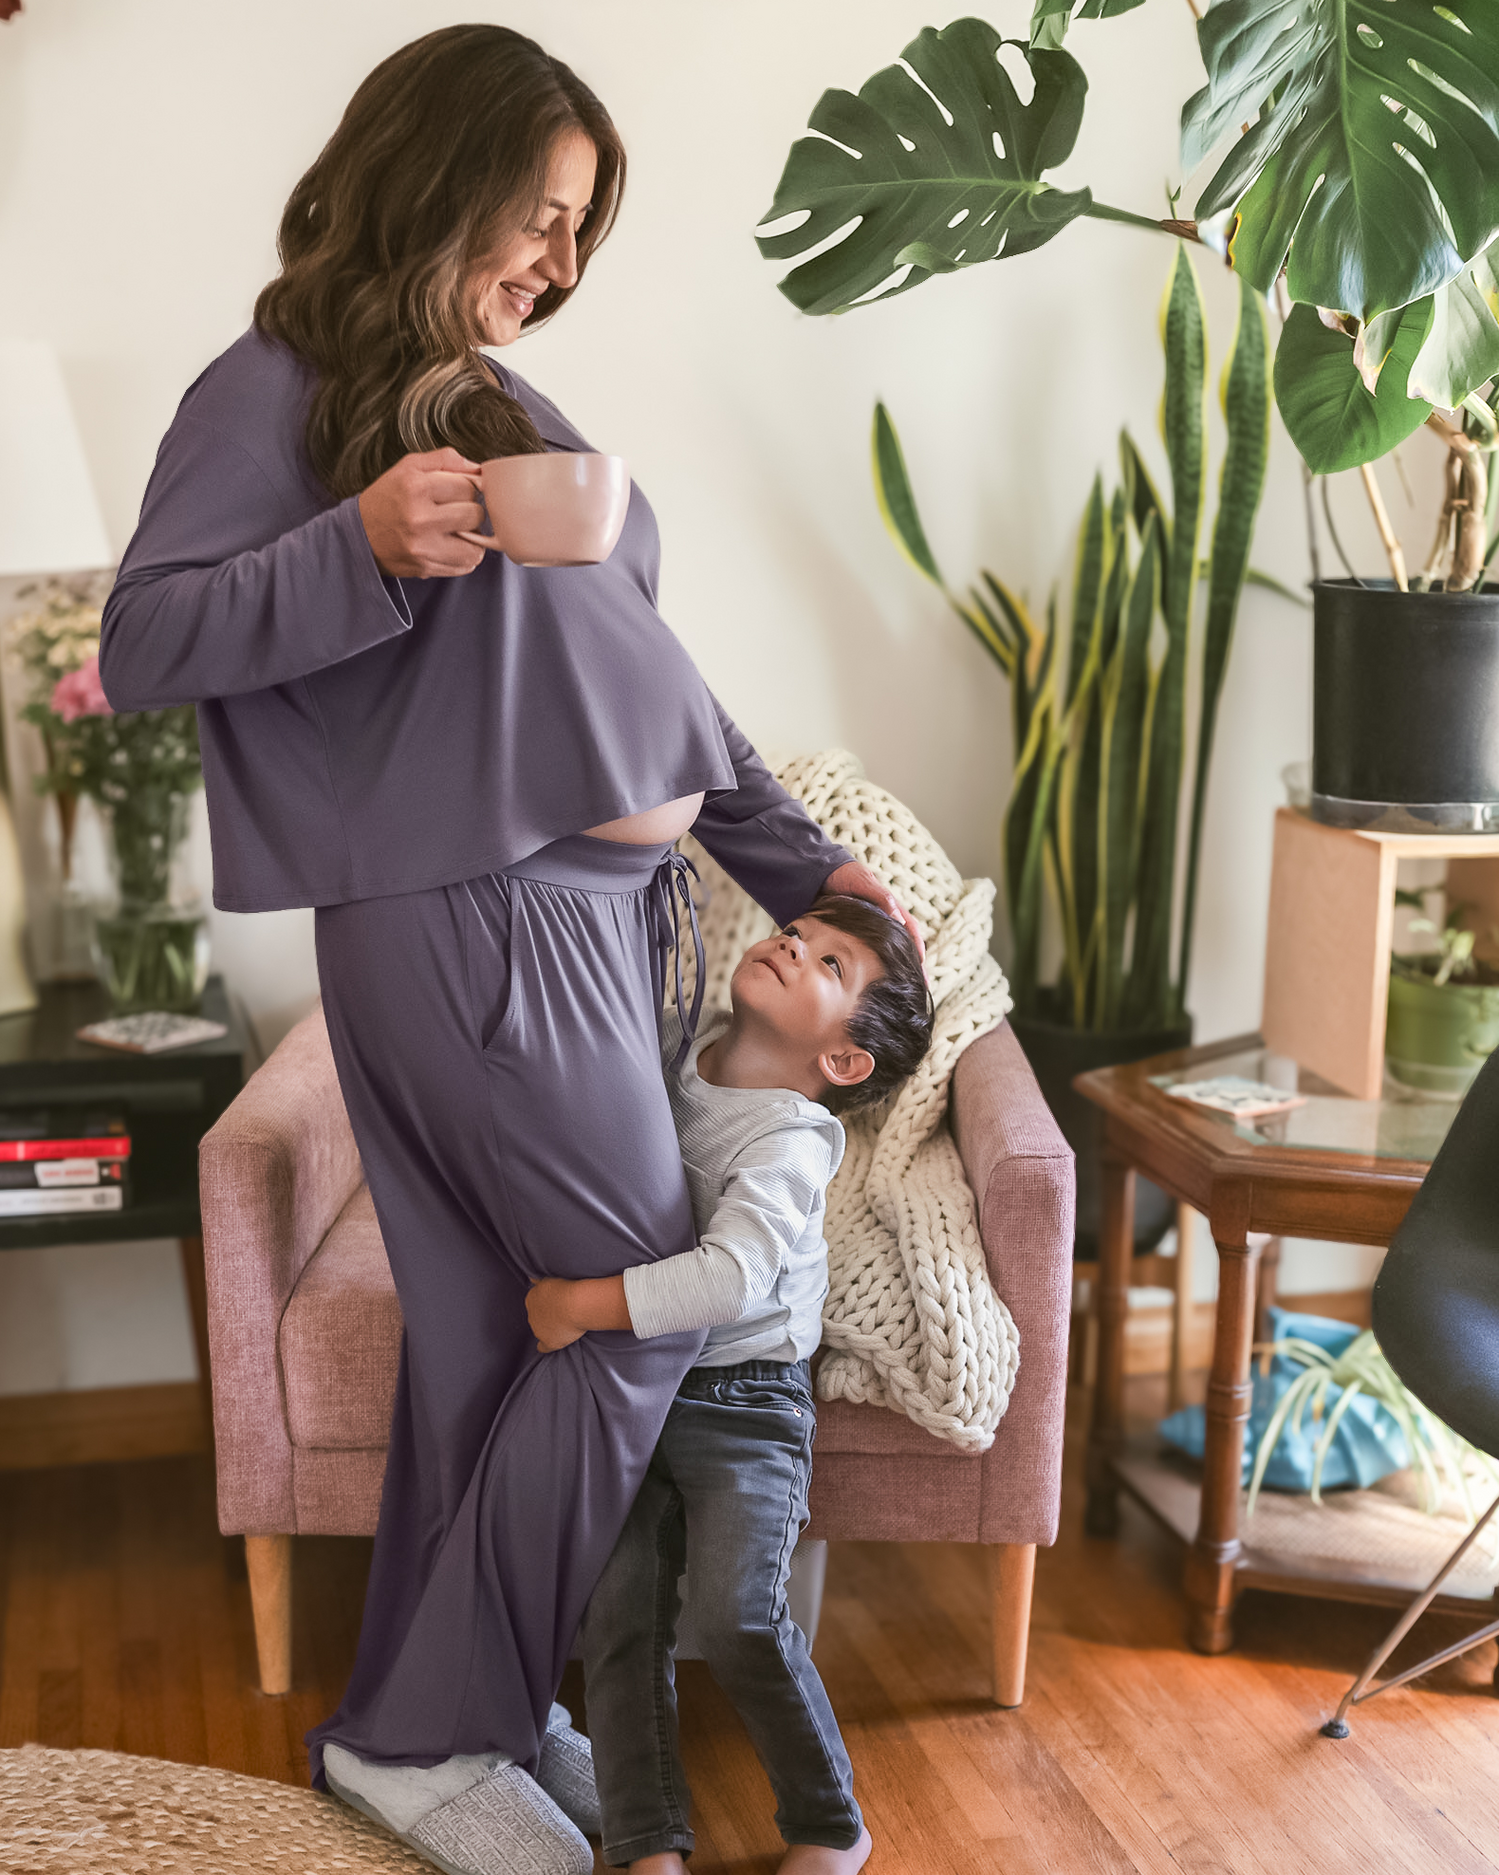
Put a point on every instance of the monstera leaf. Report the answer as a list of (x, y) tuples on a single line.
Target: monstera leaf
[(1372, 157), (1333, 418), (935, 172), (1051, 18), (1462, 348)]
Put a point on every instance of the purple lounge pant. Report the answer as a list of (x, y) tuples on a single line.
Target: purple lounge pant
[(497, 1044)]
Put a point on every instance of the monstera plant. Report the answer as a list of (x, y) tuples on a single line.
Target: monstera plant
[(1356, 145), (1363, 166), (1370, 174)]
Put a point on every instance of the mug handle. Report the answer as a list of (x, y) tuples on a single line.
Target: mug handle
[(480, 540)]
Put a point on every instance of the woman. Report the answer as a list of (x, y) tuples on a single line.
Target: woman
[(475, 772)]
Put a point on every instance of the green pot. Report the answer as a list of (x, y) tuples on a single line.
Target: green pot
[(1438, 1038)]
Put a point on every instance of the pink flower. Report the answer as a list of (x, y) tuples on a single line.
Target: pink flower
[(80, 694)]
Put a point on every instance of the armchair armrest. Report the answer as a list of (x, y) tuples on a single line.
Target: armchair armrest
[(1021, 1171), (274, 1172)]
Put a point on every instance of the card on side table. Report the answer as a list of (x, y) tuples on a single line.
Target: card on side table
[(152, 1032)]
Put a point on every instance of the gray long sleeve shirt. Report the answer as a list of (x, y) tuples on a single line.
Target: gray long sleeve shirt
[(758, 1161), (364, 735)]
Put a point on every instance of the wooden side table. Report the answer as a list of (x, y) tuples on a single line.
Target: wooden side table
[(1336, 1167), (170, 1100)]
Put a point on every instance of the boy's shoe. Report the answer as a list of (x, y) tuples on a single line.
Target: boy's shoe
[(565, 1772), (503, 1825)]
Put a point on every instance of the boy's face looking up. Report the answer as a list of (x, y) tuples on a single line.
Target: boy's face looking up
[(802, 986)]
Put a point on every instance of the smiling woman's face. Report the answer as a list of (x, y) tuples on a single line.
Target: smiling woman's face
[(507, 283)]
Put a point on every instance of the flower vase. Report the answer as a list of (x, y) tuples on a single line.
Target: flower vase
[(150, 939), (72, 922), (16, 989)]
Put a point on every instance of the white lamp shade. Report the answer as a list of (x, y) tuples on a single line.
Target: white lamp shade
[(49, 515)]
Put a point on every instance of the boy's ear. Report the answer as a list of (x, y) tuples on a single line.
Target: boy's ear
[(845, 1067)]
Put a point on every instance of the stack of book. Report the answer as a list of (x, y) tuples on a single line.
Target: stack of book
[(62, 1160)]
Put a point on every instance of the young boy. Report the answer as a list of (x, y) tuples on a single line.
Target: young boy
[(831, 1014)]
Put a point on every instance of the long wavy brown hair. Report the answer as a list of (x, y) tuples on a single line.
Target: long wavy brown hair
[(441, 155)]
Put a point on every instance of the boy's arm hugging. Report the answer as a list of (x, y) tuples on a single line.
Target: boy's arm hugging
[(772, 1194)]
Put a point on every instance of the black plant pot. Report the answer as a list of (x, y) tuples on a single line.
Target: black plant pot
[(1057, 1055), (1405, 709)]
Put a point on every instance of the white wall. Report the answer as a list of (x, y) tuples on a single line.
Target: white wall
[(146, 148)]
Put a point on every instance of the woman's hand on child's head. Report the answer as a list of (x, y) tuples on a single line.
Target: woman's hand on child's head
[(855, 881), (550, 1313)]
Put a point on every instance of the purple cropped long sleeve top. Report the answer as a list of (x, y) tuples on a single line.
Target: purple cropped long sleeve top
[(364, 735)]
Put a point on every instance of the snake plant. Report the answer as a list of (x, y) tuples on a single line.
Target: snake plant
[(1098, 688), (1443, 1462)]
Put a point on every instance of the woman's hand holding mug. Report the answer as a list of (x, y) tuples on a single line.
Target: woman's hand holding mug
[(417, 512)]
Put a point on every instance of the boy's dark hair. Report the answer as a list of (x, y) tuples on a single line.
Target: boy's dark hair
[(893, 1019)]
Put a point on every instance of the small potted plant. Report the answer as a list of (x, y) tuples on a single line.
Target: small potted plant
[(1444, 1005)]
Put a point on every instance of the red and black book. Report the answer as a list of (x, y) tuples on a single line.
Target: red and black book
[(62, 1133)]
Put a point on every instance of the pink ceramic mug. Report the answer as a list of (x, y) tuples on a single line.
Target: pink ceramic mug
[(558, 509)]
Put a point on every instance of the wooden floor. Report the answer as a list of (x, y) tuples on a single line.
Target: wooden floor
[(126, 1625)]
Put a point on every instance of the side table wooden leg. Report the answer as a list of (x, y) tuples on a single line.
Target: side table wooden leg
[(196, 1285), (1116, 1242), (1267, 1287), (1213, 1557), (1181, 1310)]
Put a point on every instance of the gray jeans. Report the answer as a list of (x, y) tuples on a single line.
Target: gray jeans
[(724, 1498)]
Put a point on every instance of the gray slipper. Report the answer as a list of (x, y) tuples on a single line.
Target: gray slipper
[(503, 1825), (565, 1772)]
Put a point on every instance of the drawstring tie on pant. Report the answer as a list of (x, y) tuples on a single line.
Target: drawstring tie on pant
[(673, 892)]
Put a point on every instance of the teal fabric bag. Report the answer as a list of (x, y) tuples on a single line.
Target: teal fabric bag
[(1367, 1446)]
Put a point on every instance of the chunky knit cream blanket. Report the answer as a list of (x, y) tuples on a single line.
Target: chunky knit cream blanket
[(911, 1321)]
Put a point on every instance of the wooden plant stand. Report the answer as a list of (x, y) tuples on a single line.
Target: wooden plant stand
[(1327, 955)]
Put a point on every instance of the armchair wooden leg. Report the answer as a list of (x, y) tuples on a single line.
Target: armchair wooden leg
[(268, 1561), (1014, 1575), (194, 1281)]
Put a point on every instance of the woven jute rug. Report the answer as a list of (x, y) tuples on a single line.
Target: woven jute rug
[(102, 1813), (1382, 1535)]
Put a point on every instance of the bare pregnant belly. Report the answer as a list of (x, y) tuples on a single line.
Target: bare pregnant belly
[(667, 822)]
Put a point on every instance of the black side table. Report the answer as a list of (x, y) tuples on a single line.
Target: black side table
[(170, 1101)]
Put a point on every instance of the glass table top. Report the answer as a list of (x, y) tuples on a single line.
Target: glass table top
[(1403, 1124)]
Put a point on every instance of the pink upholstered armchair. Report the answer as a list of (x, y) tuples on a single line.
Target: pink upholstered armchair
[(304, 1332)]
